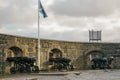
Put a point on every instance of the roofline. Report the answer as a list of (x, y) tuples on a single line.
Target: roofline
[(57, 40)]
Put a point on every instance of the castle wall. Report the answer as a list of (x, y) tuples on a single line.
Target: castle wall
[(78, 52)]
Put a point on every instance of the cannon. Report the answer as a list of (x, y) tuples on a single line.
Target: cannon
[(22, 64), (61, 63), (101, 63)]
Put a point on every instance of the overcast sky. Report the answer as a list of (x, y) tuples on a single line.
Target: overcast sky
[(67, 19)]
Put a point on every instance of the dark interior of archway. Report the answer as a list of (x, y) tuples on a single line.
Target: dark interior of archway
[(55, 52), (17, 51), (92, 55), (96, 55)]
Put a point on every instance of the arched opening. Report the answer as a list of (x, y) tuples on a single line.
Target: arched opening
[(93, 55), (14, 52), (55, 53)]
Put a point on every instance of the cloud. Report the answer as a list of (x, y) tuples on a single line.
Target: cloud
[(78, 8), (18, 17), (83, 13), (17, 12), (67, 19), (68, 35)]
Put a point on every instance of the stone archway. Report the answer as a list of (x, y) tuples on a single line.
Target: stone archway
[(92, 55), (14, 52), (55, 53)]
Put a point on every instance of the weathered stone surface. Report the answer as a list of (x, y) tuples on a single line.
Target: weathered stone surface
[(79, 52)]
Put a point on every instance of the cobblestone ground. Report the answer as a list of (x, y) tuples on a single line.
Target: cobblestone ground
[(85, 75)]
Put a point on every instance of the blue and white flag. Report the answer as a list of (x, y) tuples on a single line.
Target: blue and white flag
[(41, 9)]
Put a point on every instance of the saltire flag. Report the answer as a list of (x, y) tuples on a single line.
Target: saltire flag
[(41, 10)]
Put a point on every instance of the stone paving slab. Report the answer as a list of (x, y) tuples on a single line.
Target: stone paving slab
[(84, 75), (57, 73)]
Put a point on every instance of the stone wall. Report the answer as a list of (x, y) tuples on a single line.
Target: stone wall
[(77, 51)]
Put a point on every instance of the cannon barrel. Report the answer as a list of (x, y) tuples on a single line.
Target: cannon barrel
[(19, 59), (60, 60), (10, 59), (23, 64), (61, 63)]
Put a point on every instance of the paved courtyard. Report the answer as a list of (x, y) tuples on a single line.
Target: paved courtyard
[(84, 75)]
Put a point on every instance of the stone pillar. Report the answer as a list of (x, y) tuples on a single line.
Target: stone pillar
[(83, 61)]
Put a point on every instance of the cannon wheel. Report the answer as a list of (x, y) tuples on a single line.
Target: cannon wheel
[(59, 67), (71, 67), (12, 70), (36, 69), (21, 69), (28, 69)]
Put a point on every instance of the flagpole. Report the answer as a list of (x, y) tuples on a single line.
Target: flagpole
[(38, 36), (40, 9)]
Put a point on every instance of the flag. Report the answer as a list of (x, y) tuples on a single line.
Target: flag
[(41, 10)]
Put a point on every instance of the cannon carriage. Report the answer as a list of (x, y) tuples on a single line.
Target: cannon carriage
[(61, 64), (23, 64), (101, 63)]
